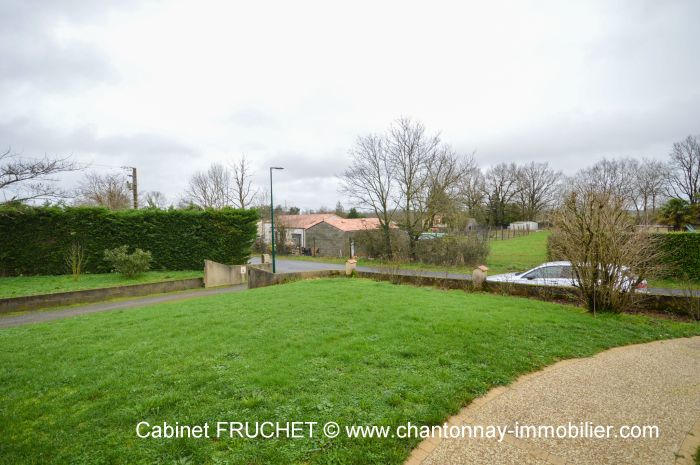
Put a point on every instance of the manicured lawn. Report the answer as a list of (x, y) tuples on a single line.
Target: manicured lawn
[(33, 285), (346, 350)]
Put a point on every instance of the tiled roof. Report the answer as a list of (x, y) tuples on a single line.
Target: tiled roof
[(303, 221), (353, 224)]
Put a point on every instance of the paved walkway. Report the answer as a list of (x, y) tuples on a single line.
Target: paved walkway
[(647, 384), (49, 314)]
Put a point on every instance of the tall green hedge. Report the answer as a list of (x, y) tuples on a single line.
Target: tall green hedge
[(35, 240), (681, 254)]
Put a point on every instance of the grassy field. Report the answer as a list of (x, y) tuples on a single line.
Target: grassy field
[(518, 254), (353, 351), (33, 285)]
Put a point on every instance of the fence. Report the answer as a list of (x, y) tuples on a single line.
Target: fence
[(499, 234)]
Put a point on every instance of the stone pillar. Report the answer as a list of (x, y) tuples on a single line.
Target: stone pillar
[(265, 258), (350, 266), (479, 276)]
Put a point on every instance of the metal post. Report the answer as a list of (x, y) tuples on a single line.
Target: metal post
[(272, 219)]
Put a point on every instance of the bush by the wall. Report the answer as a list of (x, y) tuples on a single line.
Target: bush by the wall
[(681, 253), (35, 240), (128, 264), (453, 250)]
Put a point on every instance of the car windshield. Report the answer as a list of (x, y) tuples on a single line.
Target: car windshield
[(550, 272)]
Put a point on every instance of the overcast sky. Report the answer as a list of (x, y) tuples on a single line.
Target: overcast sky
[(171, 86)]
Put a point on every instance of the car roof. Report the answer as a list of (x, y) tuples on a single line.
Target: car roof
[(560, 263)]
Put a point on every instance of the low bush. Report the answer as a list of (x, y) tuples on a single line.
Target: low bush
[(371, 244), (453, 250), (129, 265)]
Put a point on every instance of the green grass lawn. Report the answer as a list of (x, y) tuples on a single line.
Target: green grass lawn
[(351, 351), (518, 254), (33, 285)]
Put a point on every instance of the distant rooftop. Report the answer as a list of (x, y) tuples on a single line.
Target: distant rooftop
[(303, 221)]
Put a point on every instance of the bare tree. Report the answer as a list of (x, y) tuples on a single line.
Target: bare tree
[(537, 189), (243, 193), (369, 182), (446, 173), (25, 179), (650, 186), (156, 199), (685, 165), (472, 190), (411, 152), (108, 190), (501, 188), (608, 254), (611, 176), (211, 188)]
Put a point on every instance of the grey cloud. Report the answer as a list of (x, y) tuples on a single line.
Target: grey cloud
[(308, 166), (249, 117), (164, 163), (573, 141), (31, 56)]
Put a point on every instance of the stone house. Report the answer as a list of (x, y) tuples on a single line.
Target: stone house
[(295, 226), (335, 236)]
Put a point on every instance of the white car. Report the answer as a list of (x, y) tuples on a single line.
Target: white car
[(557, 274)]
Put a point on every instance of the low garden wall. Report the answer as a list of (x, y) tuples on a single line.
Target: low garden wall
[(34, 302), (262, 275), (218, 274)]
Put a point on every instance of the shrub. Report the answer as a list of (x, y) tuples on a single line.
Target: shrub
[(128, 265), (594, 232), (681, 254), (34, 240), (75, 260), (453, 250), (371, 243)]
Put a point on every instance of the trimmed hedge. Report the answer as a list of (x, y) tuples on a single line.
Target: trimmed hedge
[(682, 254), (35, 240)]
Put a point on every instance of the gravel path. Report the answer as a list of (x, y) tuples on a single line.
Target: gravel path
[(49, 315), (647, 384)]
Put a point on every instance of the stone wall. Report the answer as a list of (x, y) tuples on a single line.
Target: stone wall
[(259, 277), (59, 299)]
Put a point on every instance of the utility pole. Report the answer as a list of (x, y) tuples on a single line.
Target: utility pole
[(133, 185)]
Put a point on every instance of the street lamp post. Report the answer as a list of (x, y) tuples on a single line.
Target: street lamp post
[(272, 217)]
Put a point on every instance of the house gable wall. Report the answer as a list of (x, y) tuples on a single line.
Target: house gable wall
[(328, 240)]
